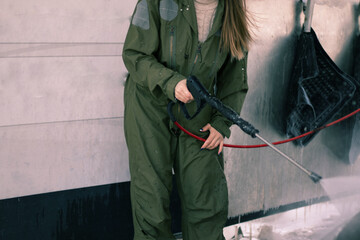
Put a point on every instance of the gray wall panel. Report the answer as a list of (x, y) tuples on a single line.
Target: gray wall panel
[(59, 89), (58, 156), (64, 21), (40, 50), (61, 94)]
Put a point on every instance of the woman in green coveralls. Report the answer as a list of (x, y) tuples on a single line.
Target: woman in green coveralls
[(167, 41)]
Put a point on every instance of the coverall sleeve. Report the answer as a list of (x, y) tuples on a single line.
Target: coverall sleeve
[(232, 89), (140, 49)]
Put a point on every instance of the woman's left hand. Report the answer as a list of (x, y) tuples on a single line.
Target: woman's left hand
[(214, 140)]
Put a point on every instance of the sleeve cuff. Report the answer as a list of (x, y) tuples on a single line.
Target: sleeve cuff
[(222, 125), (171, 84)]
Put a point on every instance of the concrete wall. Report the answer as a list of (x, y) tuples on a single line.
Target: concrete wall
[(61, 85)]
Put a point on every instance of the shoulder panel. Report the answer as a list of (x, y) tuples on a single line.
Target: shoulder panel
[(141, 16)]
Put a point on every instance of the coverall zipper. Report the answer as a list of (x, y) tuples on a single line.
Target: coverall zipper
[(212, 72), (215, 61), (197, 55), (172, 47), (173, 53)]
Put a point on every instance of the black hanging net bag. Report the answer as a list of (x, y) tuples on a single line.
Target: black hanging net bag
[(319, 90), (357, 59), (355, 144)]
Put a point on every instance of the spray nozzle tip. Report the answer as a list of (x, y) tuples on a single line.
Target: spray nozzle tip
[(315, 177)]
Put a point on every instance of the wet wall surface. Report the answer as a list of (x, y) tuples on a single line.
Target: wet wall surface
[(351, 230), (102, 212), (259, 178), (93, 213)]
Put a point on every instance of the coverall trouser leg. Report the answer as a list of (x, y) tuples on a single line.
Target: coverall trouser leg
[(148, 142), (203, 191), (153, 152)]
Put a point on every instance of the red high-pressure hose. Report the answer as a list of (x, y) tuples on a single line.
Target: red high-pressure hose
[(275, 143)]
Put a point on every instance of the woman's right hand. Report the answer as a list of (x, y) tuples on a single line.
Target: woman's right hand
[(182, 93)]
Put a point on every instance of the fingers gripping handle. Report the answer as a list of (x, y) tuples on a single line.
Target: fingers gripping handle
[(200, 102)]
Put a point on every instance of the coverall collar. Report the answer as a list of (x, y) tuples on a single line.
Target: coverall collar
[(190, 16)]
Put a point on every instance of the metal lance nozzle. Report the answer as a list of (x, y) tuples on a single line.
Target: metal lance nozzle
[(313, 176)]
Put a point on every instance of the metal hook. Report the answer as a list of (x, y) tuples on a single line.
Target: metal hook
[(358, 14), (308, 15)]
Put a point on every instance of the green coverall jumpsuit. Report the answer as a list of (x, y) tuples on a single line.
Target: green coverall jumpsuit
[(162, 48)]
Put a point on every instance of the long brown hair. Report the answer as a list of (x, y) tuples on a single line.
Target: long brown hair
[(235, 34)]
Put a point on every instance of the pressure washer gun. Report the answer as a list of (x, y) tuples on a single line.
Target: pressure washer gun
[(202, 96)]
